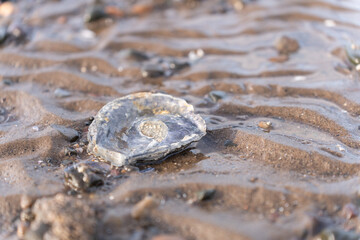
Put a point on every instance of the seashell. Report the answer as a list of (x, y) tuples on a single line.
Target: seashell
[(143, 126)]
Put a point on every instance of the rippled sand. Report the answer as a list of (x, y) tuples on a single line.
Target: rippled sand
[(291, 182)]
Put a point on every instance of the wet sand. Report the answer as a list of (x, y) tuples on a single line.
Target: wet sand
[(293, 178)]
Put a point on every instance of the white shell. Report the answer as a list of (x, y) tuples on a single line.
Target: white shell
[(143, 126)]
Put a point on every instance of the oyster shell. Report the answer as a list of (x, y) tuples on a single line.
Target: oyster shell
[(143, 126)]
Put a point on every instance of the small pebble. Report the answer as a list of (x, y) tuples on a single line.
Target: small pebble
[(152, 71), (70, 151), (26, 201), (7, 81), (229, 143), (70, 134), (26, 215), (6, 9), (134, 54), (61, 93), (196, 55), (142, 207), (238, 4), (178, 65), (84, 176), (265, 125), (254, 179), (286, 45), (129, 168), (215, 96), (94, 14), (205, 195)]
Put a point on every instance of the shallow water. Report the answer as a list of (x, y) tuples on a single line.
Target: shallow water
[(291, 181)]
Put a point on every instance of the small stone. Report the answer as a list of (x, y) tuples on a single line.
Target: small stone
[(265, 125), (205, 195), (70, 151), (129, 168), (26, 215), (196, 55), (70, 134), (167, 237), (84, 176), (215, 96), (286, 45), (134, 54), (26, 201), (7, 81), (94, 14), (253, 179), (229, 143), (152, 71), (178, 65), (91, 119), (17, 34), (61, 93), (143, 207), (79, 150), (6, 9)]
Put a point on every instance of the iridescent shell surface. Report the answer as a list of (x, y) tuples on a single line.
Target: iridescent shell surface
[(143, 126)]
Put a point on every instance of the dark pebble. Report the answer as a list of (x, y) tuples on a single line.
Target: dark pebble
[(84, 176), (215, 96), (206, 194), (7, 82), (69, 151), (134, 55), (17, 34), (153, 71), (229, 143), (177, 66), (286, 45), (94, 14)]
